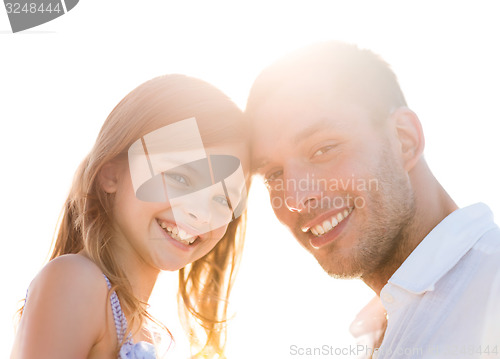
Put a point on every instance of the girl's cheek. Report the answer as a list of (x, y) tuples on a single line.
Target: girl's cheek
[(218, 233)]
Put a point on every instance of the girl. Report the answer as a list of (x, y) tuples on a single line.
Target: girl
[(162, 189)]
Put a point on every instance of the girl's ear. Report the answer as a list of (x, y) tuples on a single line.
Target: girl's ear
[(108, 177)]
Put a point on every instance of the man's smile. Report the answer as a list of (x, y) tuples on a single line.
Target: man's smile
[(324, 226)]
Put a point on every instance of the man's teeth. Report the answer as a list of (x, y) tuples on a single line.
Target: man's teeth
[(330, 224), (179, 235)]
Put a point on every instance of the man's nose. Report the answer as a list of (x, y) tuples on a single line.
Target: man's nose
[(301, 193)]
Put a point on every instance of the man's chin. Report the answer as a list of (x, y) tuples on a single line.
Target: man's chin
[(344, 275), (338, 270)]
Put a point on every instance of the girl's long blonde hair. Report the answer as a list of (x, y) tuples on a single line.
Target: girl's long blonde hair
[(204, 285)]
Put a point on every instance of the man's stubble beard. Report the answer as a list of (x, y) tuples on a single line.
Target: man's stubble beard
[(380, 245)]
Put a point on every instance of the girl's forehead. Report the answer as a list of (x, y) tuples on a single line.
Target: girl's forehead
[(228, 148), (190, 135)]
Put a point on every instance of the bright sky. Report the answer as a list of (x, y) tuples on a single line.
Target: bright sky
[(59, 81)]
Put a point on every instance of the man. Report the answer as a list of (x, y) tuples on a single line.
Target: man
[(342, 157)]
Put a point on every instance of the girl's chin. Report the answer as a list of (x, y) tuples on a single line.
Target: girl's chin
[(171, 267), (174, 264)]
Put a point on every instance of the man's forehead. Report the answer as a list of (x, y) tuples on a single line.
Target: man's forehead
[(305, 90), (297, 103)]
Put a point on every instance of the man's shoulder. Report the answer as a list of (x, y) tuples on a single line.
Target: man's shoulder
[(482, 264), (489, 243)]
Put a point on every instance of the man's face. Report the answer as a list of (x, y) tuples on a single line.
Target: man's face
[(335, 178)]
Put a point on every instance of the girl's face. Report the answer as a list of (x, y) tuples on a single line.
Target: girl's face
[(193, 214)]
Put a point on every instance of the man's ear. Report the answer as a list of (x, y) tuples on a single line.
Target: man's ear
[(410, 135), (108, 177)]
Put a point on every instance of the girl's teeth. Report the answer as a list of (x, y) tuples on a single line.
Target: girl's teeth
[(185, 239), (334, 222), (179, 235), (314, 232), (346, 213)]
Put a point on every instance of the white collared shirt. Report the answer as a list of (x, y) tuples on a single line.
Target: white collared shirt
[(444, 300)]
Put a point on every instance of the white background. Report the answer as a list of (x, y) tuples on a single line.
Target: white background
[(59, 81)]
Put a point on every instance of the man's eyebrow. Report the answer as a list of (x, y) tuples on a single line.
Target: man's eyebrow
[(320, 125)]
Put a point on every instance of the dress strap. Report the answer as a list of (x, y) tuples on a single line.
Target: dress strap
[(120, 320)]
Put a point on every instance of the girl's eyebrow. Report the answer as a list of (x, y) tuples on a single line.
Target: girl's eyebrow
[(198, 168)]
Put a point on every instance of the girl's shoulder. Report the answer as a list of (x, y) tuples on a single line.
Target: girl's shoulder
[(71, 273), (65, 304)]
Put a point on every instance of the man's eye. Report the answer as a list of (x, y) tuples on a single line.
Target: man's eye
[(272, 177), (178, 178), (323, 150)]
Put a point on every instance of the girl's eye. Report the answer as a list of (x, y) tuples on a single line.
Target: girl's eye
[(323, 150), (273, 176), (222, 200), (178, 178)]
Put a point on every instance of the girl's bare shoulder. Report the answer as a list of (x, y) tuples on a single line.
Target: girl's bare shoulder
[(70, 273), (65, 309)]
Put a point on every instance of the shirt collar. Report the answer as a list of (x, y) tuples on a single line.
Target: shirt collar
[(442, 248)]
